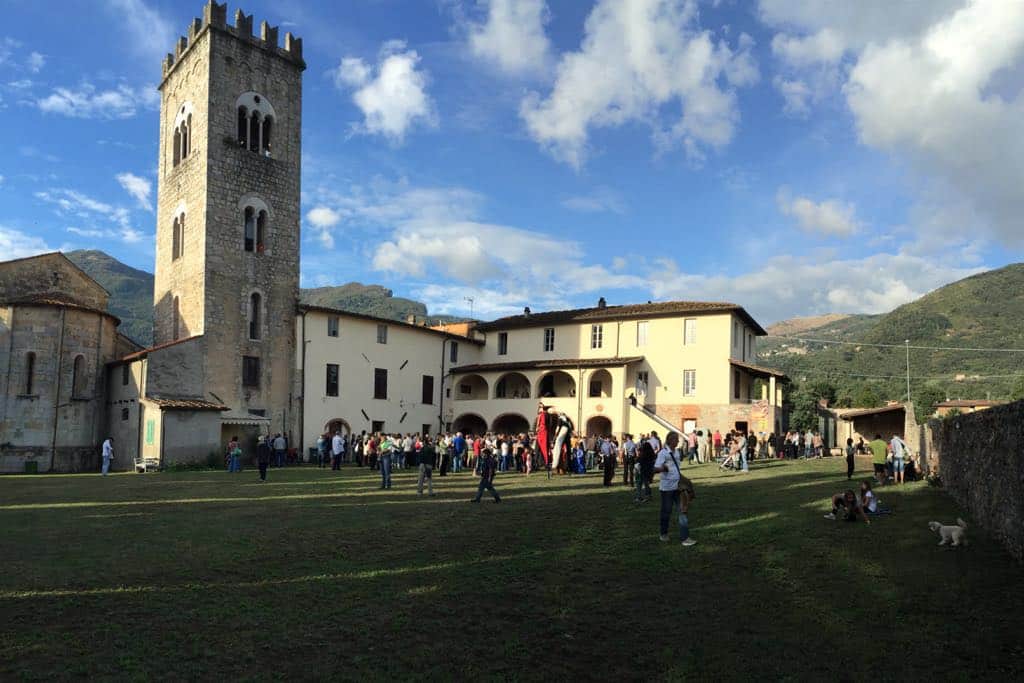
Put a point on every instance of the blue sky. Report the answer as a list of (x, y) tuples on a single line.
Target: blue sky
[(796, 158)]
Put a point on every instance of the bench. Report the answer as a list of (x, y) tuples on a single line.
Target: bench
[(146, 464)]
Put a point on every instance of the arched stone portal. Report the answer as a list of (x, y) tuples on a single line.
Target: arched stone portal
[(556, 384), (600, 384), (337, 424), (470, 423), (599, 426), (471, 387), (512, 385), (510, 423)]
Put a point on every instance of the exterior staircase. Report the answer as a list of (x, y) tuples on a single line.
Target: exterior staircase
[(663, 425)]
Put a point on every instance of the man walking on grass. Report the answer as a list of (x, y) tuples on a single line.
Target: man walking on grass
[(337, 450), (387, 449), (668, 465), (879, 452), (487, 470), (108, 454), (263, 457)]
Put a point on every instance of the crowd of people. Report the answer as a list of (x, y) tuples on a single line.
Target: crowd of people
[(561, 451)]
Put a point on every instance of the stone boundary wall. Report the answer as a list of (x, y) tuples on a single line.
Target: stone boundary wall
[(980, 457)]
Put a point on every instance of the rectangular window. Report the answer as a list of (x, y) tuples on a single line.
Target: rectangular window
[(126, 373), (425, 430), (735, 334), (750, 346), (502, 343), (549, 339), (124, 414), (332, 379), (377, 426), (595, 389), (736, 384), (641, 332), (380, 383), (250, 371), (596, 336), (332, 326), (428, 390), (382, 334), (690, 331), (465, 389), (453, 352), (689, 382), (641, 382)]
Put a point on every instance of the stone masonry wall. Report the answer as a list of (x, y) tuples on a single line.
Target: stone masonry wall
[(239, 65), (50, 275), (980, 457)]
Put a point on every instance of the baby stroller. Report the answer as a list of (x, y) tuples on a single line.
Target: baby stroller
[(730, 461)]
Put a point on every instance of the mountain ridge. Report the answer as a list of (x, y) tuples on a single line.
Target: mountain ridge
[(131, 296)]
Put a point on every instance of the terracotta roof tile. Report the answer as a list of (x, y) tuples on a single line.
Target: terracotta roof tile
[(186, 404), (548, 363), (603, 313)]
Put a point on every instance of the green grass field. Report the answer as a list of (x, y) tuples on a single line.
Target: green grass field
[(317, 574)]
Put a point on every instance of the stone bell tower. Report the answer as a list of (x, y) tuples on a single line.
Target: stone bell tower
[(227, 254)]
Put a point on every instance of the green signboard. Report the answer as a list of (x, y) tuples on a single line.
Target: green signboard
[(150, 429)]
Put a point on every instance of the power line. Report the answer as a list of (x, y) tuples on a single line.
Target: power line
[(892, 346)]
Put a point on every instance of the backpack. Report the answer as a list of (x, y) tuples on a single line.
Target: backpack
[(685, 485)]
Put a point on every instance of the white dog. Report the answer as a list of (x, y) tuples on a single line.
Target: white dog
[(957, 534)]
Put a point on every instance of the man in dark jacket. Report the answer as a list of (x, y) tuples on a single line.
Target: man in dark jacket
[(427, 460), (263, 457), (646, 457), (487, 468)]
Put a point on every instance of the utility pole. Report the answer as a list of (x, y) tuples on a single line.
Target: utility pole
[(907, 342)]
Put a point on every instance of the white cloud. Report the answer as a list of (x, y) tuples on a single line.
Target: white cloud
[(35, 62), (138, 187), (796, 94), (513, 36), (601, 200), (825, 46), (636, 60), (150, 35), (938, 85), (785, 286), (392, 94), (438, 234), (829, 217), (2, 180), (95, 234), (323, 217), (86, 102), (16, 244), (68, 202)]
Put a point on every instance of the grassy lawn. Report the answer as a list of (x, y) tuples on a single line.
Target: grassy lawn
[(318, 574)]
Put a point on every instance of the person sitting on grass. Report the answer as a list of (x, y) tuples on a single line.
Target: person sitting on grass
[(845, 505), (869, 501)]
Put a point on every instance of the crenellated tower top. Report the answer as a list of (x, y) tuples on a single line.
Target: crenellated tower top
[(215, 18)]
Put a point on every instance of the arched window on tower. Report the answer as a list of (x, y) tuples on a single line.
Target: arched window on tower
[(254, 132), (256, 118), (177, 146), (175, 319), (176, 240), (188, 136), (181, 140), (250, 228), (30, 372), (267, 123), (255, 302), (243, 127), (261, 231), (78, 377)]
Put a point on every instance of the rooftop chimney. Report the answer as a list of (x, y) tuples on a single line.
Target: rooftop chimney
[(601, 303)]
